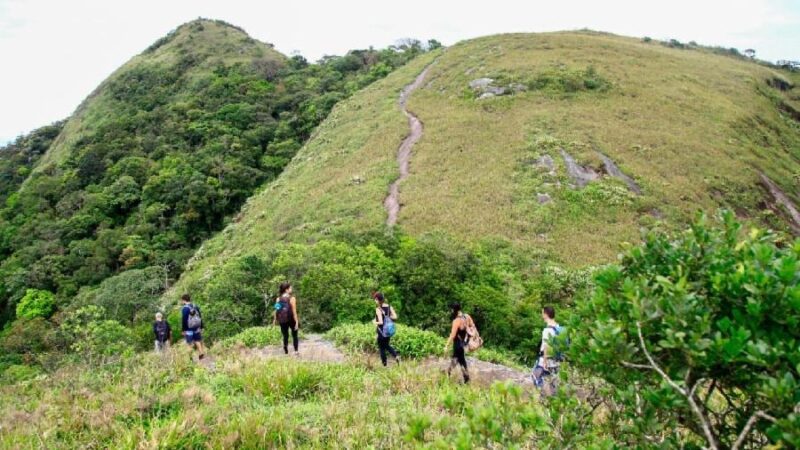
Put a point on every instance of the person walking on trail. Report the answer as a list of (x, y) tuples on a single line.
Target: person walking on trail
[(163, 333), (548, 362), (459, 337), (384, 322), (286, 316), (192, 325)]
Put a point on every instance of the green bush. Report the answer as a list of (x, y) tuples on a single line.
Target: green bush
[(700, 332), (36, 303), (26, 336), (19, 372), (91, 335), (255, 337), (409, 342)]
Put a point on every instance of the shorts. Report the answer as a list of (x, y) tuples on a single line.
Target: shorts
[(193, 336)]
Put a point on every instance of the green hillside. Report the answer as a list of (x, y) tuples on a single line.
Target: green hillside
[(691, 128), (157, 159)]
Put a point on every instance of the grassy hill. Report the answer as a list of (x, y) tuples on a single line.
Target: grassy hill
[(691, 128), (158, 158)]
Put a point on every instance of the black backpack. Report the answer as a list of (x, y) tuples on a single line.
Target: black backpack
[(283, 310), (162, 331)]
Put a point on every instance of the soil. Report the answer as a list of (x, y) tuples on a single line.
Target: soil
[(392, 201)]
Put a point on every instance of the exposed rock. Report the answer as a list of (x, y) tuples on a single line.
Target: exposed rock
[(546, 162), (480, 83), (782, 199), (580, 175), (614, 171), (543, 199), (516, 88), (486, 95)]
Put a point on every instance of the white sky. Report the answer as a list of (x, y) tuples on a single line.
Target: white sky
[(54, 52)]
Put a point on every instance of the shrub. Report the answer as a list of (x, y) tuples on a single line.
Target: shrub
[(255, 337), (36, 303), (92, 335), (19, 372), (27, 336), (700, 331)]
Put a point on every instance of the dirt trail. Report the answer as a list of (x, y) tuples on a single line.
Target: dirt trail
[(313, 347), (482, 372), (392, 201)]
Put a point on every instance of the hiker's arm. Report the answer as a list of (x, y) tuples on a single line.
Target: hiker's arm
[(378, 317), (155, 329), (184, 319), (453, 332), (294, 312), (392, 313)]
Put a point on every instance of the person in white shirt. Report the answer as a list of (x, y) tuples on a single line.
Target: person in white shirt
[(548, 362)]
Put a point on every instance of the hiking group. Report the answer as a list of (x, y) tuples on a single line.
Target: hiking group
[(464, 336)]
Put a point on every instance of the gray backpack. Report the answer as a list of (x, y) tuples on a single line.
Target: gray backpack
[(194, 321)]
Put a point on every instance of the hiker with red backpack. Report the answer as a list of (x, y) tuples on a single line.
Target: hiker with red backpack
[(286, 316), (464, 336), (385, 316)]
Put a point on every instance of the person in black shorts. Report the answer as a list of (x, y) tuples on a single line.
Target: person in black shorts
[(286, 316), (458, 336)]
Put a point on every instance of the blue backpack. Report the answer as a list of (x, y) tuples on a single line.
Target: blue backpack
[(564, 343), (388, 329)]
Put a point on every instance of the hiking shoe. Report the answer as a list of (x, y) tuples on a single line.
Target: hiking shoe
[(397, 360), (201, 356)]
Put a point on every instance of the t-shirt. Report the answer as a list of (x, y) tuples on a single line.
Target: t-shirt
[(548, 333)]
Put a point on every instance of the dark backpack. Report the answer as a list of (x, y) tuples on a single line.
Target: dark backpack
[(162, 331), (283, 310), (195, 319)]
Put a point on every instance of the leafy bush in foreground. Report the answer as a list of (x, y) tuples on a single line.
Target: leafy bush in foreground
[(36, 303), (700, 332)]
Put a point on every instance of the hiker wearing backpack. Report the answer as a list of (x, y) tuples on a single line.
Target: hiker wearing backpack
[(192, 324), (384, 321), (549, 360), (163, 333), (460, 330), (286, 316)]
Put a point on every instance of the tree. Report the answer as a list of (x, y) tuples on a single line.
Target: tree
[(750, 53), (700, 332), (36, 303)]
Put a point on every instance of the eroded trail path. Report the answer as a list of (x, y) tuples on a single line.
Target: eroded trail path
[(392, 201)]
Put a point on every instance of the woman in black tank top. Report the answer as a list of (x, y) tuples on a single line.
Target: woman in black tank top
[(458, 336), (382, 309)]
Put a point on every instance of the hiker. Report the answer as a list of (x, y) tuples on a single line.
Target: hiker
[(163, 333), (384, 322), (459, 338), (547, 363), (192, 325), (286, 316)]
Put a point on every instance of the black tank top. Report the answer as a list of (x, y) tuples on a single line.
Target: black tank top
[(461, 334), (386, 312)]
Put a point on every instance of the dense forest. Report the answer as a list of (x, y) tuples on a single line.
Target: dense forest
[(177, 154)]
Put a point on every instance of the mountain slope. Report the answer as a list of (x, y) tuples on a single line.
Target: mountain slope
[(688, 129), (159, 157)]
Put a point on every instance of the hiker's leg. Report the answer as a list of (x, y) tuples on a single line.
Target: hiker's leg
[(285, 333), (158, 347), (382, 342), (461, 357), (295, 340), (391, 349)]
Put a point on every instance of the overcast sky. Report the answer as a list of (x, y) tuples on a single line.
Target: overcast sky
[(54, 52)]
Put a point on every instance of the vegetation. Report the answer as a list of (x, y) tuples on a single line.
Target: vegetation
[(700, 333), (18, 158), (157, 160)]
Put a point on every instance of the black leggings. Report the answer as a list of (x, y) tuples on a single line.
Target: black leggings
[(459, 358), (285, 327), (383, 346)]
